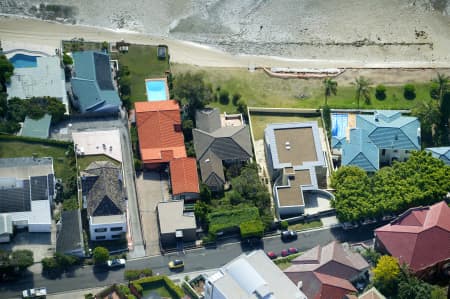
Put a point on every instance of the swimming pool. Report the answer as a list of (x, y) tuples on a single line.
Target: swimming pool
[(22, 60), (156, 90), (339, 123)]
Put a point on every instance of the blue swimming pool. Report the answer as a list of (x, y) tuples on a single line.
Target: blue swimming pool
[(22, 60), (339, 124), (156, 90)]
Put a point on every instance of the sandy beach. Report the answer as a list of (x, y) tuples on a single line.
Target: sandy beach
[(314, 51)]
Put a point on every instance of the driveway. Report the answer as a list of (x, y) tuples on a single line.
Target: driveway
[(152, 188)]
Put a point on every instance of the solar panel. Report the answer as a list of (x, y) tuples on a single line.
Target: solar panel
[(15, 199), (102, 72), (51, 189), (38, 188)]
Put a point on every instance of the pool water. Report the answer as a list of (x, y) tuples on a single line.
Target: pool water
[(156, 90), (22, 61), (339, 123)]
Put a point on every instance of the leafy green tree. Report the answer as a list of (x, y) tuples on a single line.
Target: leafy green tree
[(6, 71), (224, 97), (191, 90), (380, 92), (330, 88), (3, 104), (326, 112), (362, 90), (236, 98), (235, 198), (409, 91), (187, 125), (386, 274), (70, 204), (205, 193), (22, 259), (201, 211), (242, 108), (100, 255), (428, 114), (67, 60), (442, 87)]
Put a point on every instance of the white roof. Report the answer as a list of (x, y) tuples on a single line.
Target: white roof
[(98, 143), (39, 214)]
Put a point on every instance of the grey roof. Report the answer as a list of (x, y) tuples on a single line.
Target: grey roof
[(102, 184), (171, 217), (23, 180), (224, 143), (70, 235), (252, 276), (442, 153), (6, 226), (46, 79), (207, 119), (37, 128), (92, 82)]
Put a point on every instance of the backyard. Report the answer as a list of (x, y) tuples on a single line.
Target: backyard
[(83, 162), (142, 63), (260, 90)]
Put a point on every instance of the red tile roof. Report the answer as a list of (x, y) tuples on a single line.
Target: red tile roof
[(419, 237), (159, 142), (184, 176)]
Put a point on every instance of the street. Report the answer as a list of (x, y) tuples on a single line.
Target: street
[(195, 260)]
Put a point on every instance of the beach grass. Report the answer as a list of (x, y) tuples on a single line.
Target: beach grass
[(83, 162), (77, 45), (143, 63), (62, 164), (260, 90), (260, 122)]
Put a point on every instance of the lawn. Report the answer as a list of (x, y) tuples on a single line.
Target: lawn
[(285, 262), (308, 225), (143, 63), (83, 162), (61, 163), (260, 90), (260, 122)]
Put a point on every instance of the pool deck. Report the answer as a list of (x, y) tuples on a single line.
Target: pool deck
[(165, 84), (351, 123)]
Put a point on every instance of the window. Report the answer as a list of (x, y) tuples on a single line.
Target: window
[(383, 152), (117, 236), (115, 229), (100, 238), (100, 230)]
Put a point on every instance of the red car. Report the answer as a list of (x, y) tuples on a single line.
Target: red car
[(292, 250), (284, 252), (272, 255)]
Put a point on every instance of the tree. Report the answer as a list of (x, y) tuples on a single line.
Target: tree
[(22, 259), (192, 92), (409, 91), (187, 125), (201, 211), (380, 92), (236, 98), (205, 193), (100, 255), (6, 71), (442, 82), (67, 60), (330, 88), (224, 97), (362, 90), (386, 274), (428, 114)]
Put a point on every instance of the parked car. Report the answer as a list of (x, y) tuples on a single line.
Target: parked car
[(176, 264), (272, 255), (36, 293), (116, 263), (350, 225), (368, 221), (284, 252), (252, 243), (292, 250), (288, 235)]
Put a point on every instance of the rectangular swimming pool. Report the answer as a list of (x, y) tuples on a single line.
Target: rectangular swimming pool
[(156, 90), (339, 124)]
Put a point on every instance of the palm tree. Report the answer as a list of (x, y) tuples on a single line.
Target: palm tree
[(362, 89), (330, 88), (443, 84)]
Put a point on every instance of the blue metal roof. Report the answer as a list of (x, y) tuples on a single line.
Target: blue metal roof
[(442, 153), (85, 83), (360, 151)]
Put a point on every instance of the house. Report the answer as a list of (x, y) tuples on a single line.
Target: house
[(92, 84), (6, 228), (371, 293), (160, 134), (27, 189), (69, 238), (175, 226), (106, 143), (184, 179), (379, 139), (104, 198), (296, 164), (251, 275), (219, 140), (420, 237), (37, 128), (327, 271), (442, 153), (44, 78)]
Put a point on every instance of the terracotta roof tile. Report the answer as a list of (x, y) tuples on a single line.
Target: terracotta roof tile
[(419, 237), (159, 130), (184, 176)]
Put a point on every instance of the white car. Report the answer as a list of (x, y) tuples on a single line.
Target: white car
[(35, 293), (116, 263)]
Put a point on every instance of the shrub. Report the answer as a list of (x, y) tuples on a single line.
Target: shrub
[(67, 60), (284, 224), (380, 92), (253, 228), (224, 97), (100, 255), (136, 274), (409, 91), (434, 90), (326, 112), (235, 99), (175, 291)]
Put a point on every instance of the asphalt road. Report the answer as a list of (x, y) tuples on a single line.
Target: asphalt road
[(195, 260)]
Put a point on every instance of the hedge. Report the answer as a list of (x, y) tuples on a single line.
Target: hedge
[(188, 289), (228, 219), (136, 274), (252, 228), (60, 143), (154, 281)]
